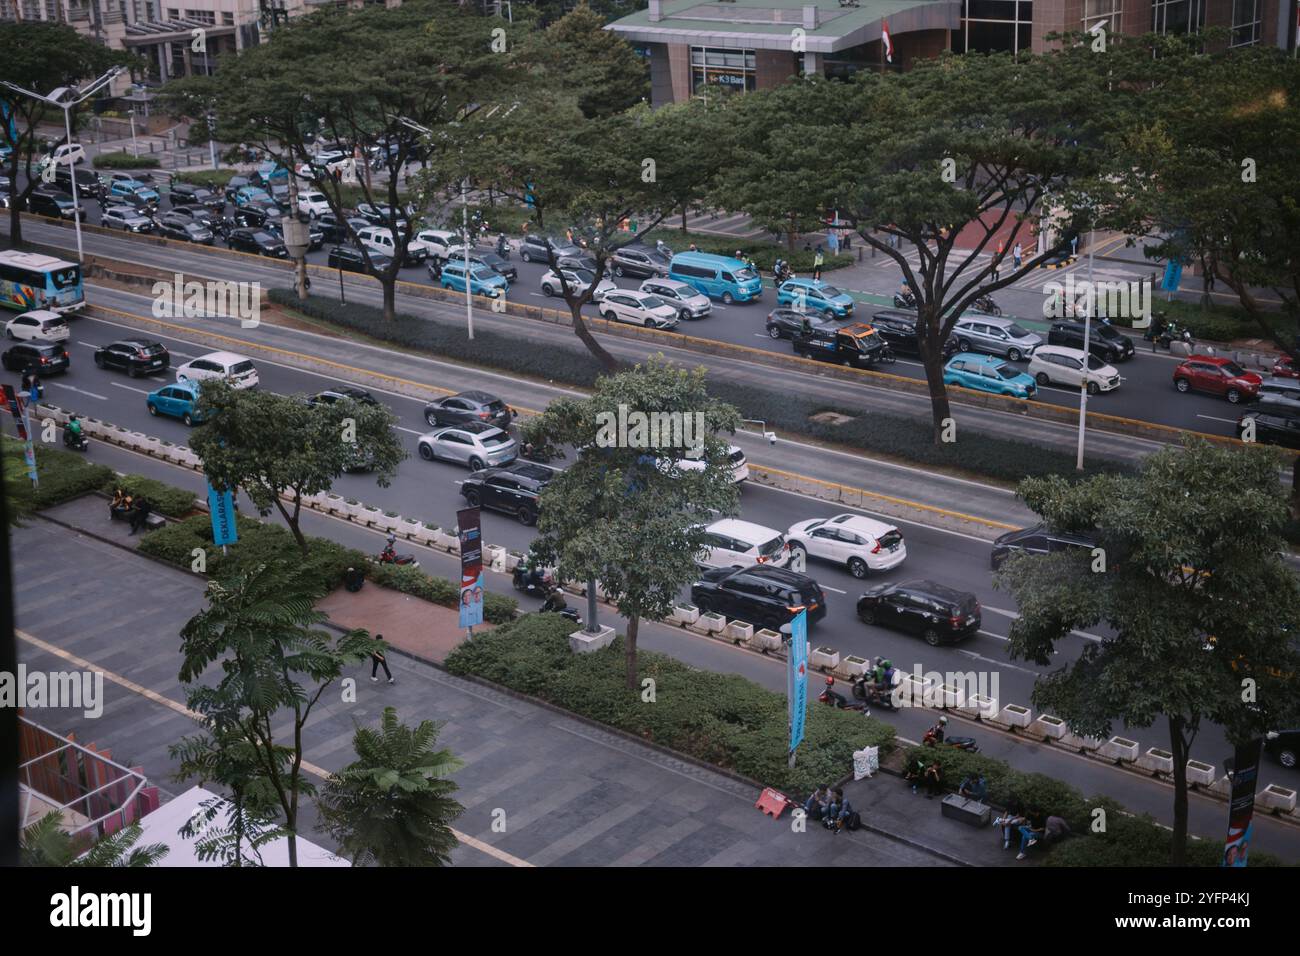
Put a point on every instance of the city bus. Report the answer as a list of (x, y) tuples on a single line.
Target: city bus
[(29, 281)]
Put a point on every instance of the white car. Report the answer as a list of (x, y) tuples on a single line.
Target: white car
[(577, 280), (736, 461), (638, 308), (313, 204), (236, 369), (1059, 365), (41, 325), (380, 239), (126, 219), (438, 242), (68, 154), (690, 304), (732, 543), (859, 543), (476, 444)]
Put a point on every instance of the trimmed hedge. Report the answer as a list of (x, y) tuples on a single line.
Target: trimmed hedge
[(910, 439), (721, 719), (166, 499), (1127, 840), (124, 160), (497, 608), (63, 475), (214, 179)]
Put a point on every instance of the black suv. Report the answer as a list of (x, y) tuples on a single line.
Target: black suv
[(1273, 426), (89, 184), (514, 489), (473, 406), (183, 228), (44, 357), (1279, 396), (336, 230), (1104, 340), (56, 205), (340, 392), (254, 240), (134, 356), (351, 260), (937, 613), (760, 595), (315, 235), (783, 323), (638, 261), (189, 194), (1036, 540), (898, 328), (196, 213)]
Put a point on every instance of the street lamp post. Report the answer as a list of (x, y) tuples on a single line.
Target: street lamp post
[(65, 98), (135, 150)]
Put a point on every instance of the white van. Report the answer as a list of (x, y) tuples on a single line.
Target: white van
[(236, 369)]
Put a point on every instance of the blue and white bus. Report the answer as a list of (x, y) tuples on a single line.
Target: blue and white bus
[(30, 281)]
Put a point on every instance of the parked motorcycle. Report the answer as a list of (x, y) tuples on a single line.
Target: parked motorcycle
[(936, 737), (904, 300), (390, 556), (986, 305), (838, 700)]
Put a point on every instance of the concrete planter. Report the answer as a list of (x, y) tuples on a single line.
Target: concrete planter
[(1046, 728), (1199, 774), (409, 529), (708, 624), (1222, 786), (494, 556), (426, 533), (1156, 761), (1081, 744), (854, 666), (334, 504), (915, 689), (825, 658), (388, 522), (514, 559), (1120, 749), (1278, 799), (446, 541), (352, 510), (979, 706), (765, 640), (950, 697), (371, 517), (738, 632), (580, 642), (151, 445), (1013, 716), (138, 440), (684, 614)]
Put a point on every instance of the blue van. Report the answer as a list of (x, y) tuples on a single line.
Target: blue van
[(718, 277)]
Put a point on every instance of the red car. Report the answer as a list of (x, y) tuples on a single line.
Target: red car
[(1218, 376), (1285, 368)]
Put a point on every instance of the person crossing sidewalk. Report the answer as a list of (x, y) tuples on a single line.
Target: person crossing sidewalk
[(377, 660)]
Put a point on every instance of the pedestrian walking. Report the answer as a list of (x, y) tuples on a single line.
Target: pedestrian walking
[(1074, 244), (1015, 255), (819, 258), (377, 661), (997, 261)]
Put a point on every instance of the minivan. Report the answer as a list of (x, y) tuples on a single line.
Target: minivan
[(238, 370), (718, 277), (380, 239), (997, 336), (69, 154)]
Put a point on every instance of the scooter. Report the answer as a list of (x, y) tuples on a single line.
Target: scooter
[(549, 607), (904, 300), (986, 305), (390, 556), (77, 441), (503, 247), (866, 690), (933, 739), (781, 274), (838, 700), (535, 585)]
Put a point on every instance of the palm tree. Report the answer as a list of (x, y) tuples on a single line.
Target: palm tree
[(46, 843), (393, 805)]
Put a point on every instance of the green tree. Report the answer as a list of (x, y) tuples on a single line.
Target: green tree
[(41, 57), (46, 843), (593, 64), (393, 805), (1201, 609), (262, 630), (628, 512), (277, 446)]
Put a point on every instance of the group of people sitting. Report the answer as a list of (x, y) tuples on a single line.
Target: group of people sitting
[(1034, 827), (831, 808), (923, 773), (134, 508)]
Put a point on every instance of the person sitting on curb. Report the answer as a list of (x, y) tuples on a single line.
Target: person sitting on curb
[(974, 787), (1032, 832), (915, 771), (1010, 822), (933, 779), (817, 804), (841, 810)]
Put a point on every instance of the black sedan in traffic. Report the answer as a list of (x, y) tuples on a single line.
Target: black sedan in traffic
[(134, 356), (256, 241), (936, 613)]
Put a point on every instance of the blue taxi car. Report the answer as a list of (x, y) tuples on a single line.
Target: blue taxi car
[(482, 280), (178, 400), (133, 190), (814, 295), (988, 373)]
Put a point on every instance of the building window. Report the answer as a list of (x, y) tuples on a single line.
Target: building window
[(227, 19), (995, 26), (1247, 17), (1177, 16), (715, 70), (1109, 12)]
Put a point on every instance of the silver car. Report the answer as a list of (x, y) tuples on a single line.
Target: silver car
[(476, 444), (689, 303), (996, 336), (577, 280)]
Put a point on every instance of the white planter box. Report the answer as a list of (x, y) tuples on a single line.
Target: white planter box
[(1273, 797), (825, 658), (580, 642), (915, 689), (1013, 715), (854, 666), (352, 510), (738, 631), (495, 557), (425, 534), (514, 559), (149, 445), (1200, 774), (766, 640), (388, 522), (373, 517), (334, 504), (1222, 786), (684, 614), (708, 624), (1156, 761), (977, 705), (446, 542), (409, 529), (950, 697), (1075, 742), (1047, 728), (1120, 749)]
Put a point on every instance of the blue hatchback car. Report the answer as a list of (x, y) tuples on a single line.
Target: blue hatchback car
[(988, 373), (133, 189), (178, 400), (482, 280), (813, 295)]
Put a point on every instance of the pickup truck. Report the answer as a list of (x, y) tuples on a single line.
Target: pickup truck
[(857, 345)]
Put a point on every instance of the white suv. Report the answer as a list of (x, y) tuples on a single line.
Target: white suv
[(313, 204), (689, 303), (638, 308), (236, 369), (437, 242), (862, 544), (41, 325), (732, 543), (736, 462)]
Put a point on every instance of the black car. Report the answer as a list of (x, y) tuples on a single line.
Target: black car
[(172, 226), (336, 230), (338, 393), (498, 265), (514, 489), (1278, 395), (1038, 539), (89, 184), (898, 328), (1272, 426), (1104, 340), (315, 235), (56, 205), (44, 357), (259, 214), (473, 406), (784, 323), (638, 261), (377, 214), (1282, 746), (761, 595), (134, 356), (196, 213), (351, 260), (938, 614), (188, 194), (256, 241)]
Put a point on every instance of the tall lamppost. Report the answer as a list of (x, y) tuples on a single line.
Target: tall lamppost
[(65, 98)]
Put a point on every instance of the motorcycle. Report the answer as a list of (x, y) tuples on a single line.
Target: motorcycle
[(986, 305), (867, 691), (904, 300), (503, 247), (1165, 333), (886, 356), (781, 274), (838, 700), (390, 556), (534, 584), (936, 738), (76, 441)]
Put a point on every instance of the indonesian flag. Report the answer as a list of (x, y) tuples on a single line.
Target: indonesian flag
[(884, 38)]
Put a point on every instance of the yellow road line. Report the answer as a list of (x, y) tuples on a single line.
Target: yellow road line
[(181, 709)]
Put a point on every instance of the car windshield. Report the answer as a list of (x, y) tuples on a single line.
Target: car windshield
[(830, 292), (652, 302), (1008, 371), (1017, 331), (1094, 363), (585, 277), (744, 275), (484, 275), (239, 368), (1232, 368), (263, 237)]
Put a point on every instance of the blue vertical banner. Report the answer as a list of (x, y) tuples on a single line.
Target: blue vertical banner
[(221, 506), (1173, 276), (469, 523), (22, 425), (797, 678)]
